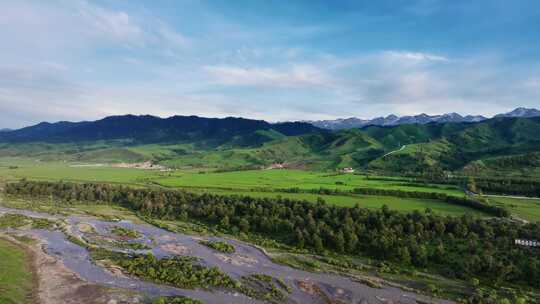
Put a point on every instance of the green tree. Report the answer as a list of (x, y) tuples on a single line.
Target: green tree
[(317, 243)]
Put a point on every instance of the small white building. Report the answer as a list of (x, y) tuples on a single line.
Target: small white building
[(276, 166), (347, 170), (527, 243)]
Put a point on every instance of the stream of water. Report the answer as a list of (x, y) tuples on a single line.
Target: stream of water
[(245, 261)]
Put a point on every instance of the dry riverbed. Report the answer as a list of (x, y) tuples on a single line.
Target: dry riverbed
[(67, 273)]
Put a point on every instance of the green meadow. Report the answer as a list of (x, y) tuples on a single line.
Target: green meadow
[(257, 183), (18, 168), (527, 209), (16, 281), (282, 179)]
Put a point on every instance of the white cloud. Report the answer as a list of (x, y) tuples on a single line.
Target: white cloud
[(295, 76), (533, 83), (405, 56), (171, 37), (52, 66), (55, 66), (116, 25), (73, 28)]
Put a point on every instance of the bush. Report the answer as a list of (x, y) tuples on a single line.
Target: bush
[(219, 246)]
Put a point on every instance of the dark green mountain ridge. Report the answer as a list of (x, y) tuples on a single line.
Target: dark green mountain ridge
[(231, 143), (152, 129)]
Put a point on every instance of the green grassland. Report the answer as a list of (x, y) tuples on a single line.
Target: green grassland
[(527, 209), (283, 179), (16, 168), (257, 183), (520, 165), (16, 278), (260, 183)]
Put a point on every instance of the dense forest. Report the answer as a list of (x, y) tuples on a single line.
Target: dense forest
[(465, 247)]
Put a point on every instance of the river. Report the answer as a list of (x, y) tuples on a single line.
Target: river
[(245, 261)]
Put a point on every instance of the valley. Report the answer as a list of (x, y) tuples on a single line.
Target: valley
[(423, 213), (269, 152)]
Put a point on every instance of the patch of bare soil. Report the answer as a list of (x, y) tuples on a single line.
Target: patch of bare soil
[(314, 290), (86, 228), (237, 260), (165, 238), (309, 287), (111, 268), (176, 249), (148, 165), (57, 284)]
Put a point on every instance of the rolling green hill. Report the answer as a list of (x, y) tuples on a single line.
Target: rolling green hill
[(417, 148), (505, 144)]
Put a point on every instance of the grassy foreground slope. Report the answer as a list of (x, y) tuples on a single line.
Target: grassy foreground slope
[(15, 274)]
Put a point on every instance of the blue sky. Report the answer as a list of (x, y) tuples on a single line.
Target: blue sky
[(273, 60)]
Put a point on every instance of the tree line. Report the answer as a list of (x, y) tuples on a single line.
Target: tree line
[(489, 185), (458, 247), (504, 186), (451, 199)]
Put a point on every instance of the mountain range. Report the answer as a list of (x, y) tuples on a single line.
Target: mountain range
[(152, 129), (393, 120), (503, 142)]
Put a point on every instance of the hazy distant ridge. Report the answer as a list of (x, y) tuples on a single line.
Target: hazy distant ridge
[(146, 128), (393, 120)]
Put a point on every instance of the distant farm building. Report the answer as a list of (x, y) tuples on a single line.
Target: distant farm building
[(276, 166), (347, 170), (527, 243)]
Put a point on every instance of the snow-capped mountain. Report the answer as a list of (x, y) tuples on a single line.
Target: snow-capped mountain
[(521, 112), (392, 120)]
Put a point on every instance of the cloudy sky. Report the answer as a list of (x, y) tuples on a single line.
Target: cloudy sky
[(274, 60)]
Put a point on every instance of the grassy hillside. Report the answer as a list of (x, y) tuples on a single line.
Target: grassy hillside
[(520, 165), (454, 146), (504, 144)]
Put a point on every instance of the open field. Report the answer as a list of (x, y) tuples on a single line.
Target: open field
[(527, 209), (282, 179), (258, 183), (16, 278), (17, 168)]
